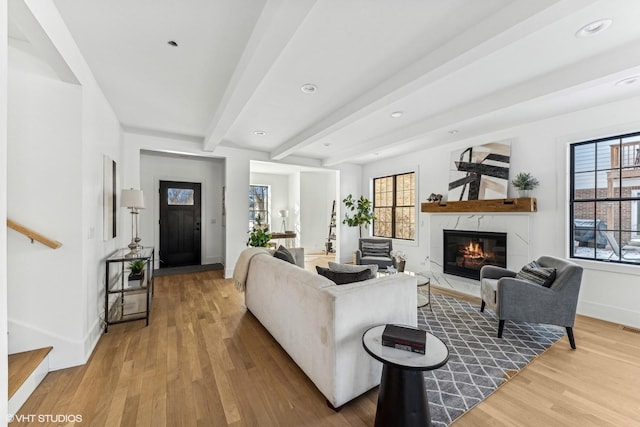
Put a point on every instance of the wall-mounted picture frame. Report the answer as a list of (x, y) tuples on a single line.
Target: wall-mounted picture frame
[(109, 198), (224, 207), (480, 172)]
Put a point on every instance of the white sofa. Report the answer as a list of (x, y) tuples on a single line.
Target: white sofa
[(320, 324)]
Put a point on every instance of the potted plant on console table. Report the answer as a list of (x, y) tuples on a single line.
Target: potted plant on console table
[(136, 276)]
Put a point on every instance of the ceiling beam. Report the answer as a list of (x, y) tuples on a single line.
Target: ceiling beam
[(588, 72), (26, 22), (510, 24), (277, 24)]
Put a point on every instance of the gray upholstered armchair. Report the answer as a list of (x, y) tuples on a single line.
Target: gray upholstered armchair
[(375, 251), (523, 301)]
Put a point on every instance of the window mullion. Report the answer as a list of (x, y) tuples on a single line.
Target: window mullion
[(393, 207)]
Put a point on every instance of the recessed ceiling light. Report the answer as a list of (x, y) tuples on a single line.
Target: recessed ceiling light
[(628, 81), (397, 114), (594, 28), (259, 132), (327, 144), (172, 43), (309, 88), (453, 131)]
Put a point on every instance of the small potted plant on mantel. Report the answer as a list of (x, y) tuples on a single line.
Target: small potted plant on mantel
[(136, 275), (524, 182)]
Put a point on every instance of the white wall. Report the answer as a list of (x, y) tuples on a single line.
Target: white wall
[(279, 196), (317, 193), (3, 213), (350, 177), (608, 292), (45, 194), (294, 201), (59, 133), (156, 167)]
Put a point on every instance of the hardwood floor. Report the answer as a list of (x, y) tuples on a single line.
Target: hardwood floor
[(205, 361)]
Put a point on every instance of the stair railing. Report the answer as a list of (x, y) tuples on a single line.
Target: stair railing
[(33, 235)]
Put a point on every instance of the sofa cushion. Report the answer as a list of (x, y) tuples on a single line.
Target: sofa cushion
[(350, 268), (535, 273), (283, 254), (343, 278), (375, 249)]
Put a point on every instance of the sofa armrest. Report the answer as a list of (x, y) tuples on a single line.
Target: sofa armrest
[(358, 256), (298, 255), (524, 301), (495, 272), (357, 307)]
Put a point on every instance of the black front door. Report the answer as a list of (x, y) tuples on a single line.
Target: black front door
[(179, 224)]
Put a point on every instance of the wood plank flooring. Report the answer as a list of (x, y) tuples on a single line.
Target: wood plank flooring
[(205, 361)]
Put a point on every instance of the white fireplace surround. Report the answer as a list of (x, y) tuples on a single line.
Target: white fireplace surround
[(517, 227)]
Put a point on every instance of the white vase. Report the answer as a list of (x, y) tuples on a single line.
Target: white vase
[(524, 193)]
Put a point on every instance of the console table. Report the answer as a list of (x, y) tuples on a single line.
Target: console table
[(287, 235), (402, 398), (127, 300)]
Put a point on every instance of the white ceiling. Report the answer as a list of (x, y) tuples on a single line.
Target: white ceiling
[(472, 66)]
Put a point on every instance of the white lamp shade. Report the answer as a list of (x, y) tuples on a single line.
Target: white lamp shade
[(284, 213), (132, 199)]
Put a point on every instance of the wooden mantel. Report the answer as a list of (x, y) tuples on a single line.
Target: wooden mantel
[(524, 204)]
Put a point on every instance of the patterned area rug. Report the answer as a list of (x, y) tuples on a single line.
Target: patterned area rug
[(478, 360)]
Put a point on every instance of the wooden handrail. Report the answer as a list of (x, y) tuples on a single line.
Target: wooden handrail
[(33, 235)]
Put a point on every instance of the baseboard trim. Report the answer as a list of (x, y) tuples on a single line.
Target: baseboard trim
[(609, 313), (66, 352)]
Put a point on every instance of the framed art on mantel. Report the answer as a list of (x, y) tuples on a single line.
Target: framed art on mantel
[(109, 195), (480, 172)]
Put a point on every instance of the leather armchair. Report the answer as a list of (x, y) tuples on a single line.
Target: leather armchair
[(365, 257), (522, 301)]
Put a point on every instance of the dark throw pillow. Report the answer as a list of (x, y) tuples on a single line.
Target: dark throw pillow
[(350, 268), (343, 278), (535, 273), (283, 254)]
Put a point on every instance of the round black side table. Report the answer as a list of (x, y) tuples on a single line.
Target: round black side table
[(402, 398)]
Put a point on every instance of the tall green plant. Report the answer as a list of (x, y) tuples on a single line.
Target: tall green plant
[(259, 236), (359, 212)]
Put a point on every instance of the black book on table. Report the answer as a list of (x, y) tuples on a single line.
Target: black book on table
[(404, 338)]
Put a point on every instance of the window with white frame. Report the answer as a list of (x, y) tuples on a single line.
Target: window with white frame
[(258, 204)]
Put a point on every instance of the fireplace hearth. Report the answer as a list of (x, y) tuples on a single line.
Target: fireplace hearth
[(466, 252)]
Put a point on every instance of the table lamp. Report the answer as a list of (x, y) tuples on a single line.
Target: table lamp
[(283, 214), (134, 200)]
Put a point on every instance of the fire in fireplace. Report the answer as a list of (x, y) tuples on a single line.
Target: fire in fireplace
[(466, 252)]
